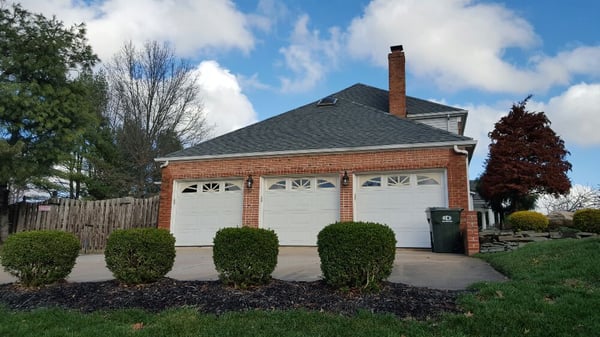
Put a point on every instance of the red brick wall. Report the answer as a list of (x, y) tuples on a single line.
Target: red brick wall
[(317, 164), (397, 82), (470, 231)]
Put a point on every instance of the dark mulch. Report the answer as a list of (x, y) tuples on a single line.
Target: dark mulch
[(212, 297)]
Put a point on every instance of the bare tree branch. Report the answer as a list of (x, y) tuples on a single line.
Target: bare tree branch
[(579, 197), (155, 103)]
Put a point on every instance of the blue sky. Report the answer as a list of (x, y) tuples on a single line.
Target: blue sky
[(260, 58)]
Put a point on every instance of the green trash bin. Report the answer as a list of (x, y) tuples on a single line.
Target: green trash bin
[(444, 229)]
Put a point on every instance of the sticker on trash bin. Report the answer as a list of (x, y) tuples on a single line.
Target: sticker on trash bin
[(447, 218)]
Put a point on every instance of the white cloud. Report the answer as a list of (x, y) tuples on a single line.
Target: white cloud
[(190, 25), (309, 56), (574, 114), (481, 121), (268, 14), (461, 44), (225, 106), (252, 82)]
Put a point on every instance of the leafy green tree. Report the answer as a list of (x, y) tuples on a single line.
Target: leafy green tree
[(41, 98), (526, 158)]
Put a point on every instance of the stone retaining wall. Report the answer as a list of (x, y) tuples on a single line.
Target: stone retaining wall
[(495, 240)]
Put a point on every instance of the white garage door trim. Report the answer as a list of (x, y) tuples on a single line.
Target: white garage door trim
[(399, 200), (297, 208), (201, 208)]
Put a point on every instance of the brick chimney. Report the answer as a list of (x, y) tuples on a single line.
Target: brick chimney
[(397, 77)]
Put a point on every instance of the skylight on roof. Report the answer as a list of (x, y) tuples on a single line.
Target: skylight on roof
[(327, 101)]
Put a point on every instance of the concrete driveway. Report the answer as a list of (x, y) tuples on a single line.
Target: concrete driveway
[(415, 267)]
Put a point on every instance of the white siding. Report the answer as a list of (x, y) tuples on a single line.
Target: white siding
[(444, 123)]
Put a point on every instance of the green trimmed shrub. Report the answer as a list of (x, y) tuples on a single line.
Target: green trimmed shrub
[(528, 221), (140, 255), (39, 257), (245, 256), (587, 220), (356, 254)]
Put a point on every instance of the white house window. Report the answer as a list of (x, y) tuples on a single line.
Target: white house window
[(398, 180), (427, 180), (301, 184), (231, 187), (324, 183), (210, 187), (279, 185), (372, 182), (190, 189)]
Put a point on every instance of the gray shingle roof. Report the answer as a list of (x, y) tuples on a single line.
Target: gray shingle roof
[(379, 98), (359, 119)]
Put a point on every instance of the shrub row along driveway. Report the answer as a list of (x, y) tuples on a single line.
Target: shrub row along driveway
[(419, 268)]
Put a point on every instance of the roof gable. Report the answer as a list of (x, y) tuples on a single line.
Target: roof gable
[(357, 120)]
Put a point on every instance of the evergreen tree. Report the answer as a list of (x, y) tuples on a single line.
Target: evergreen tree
[(42, 102)]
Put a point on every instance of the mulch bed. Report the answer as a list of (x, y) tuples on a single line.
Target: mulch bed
[(212, 297)]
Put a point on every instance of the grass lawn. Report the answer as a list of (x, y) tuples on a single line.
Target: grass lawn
[(554, 291)]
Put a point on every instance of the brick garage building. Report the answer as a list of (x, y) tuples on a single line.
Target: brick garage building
[(362, 153)]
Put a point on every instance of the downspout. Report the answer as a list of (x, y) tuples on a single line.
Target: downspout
[(466, 153), (165, 164)]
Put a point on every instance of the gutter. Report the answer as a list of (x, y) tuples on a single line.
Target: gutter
[(466, 153), (321, 151)]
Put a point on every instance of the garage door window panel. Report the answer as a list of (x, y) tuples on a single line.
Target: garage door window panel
[(302, 184), (279, 185), (428, 180), (210, 187), (398, 181), (230, 187), (372, 182), (190, 189), (324, 183)]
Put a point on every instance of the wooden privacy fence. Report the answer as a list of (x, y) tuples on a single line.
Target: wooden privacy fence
[(90, 221)]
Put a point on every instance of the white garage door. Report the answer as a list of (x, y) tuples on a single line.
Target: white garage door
[(201, 208), (399, 200), (297, 208)]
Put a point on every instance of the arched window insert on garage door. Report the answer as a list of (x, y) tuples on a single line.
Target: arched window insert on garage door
[(301, 184), (212, 187)]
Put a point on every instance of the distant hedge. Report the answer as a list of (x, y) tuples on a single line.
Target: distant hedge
[(140, 255), (39, 257), (356, 254), (587, 220), (528, 220), (245, 256)]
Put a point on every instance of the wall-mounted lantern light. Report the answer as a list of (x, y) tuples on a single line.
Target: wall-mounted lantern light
[(345, 179), (249, 181)]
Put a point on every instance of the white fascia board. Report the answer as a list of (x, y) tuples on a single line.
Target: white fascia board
[(322, 151)]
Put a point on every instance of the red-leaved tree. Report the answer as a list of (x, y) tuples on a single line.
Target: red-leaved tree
[(525, 158)]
